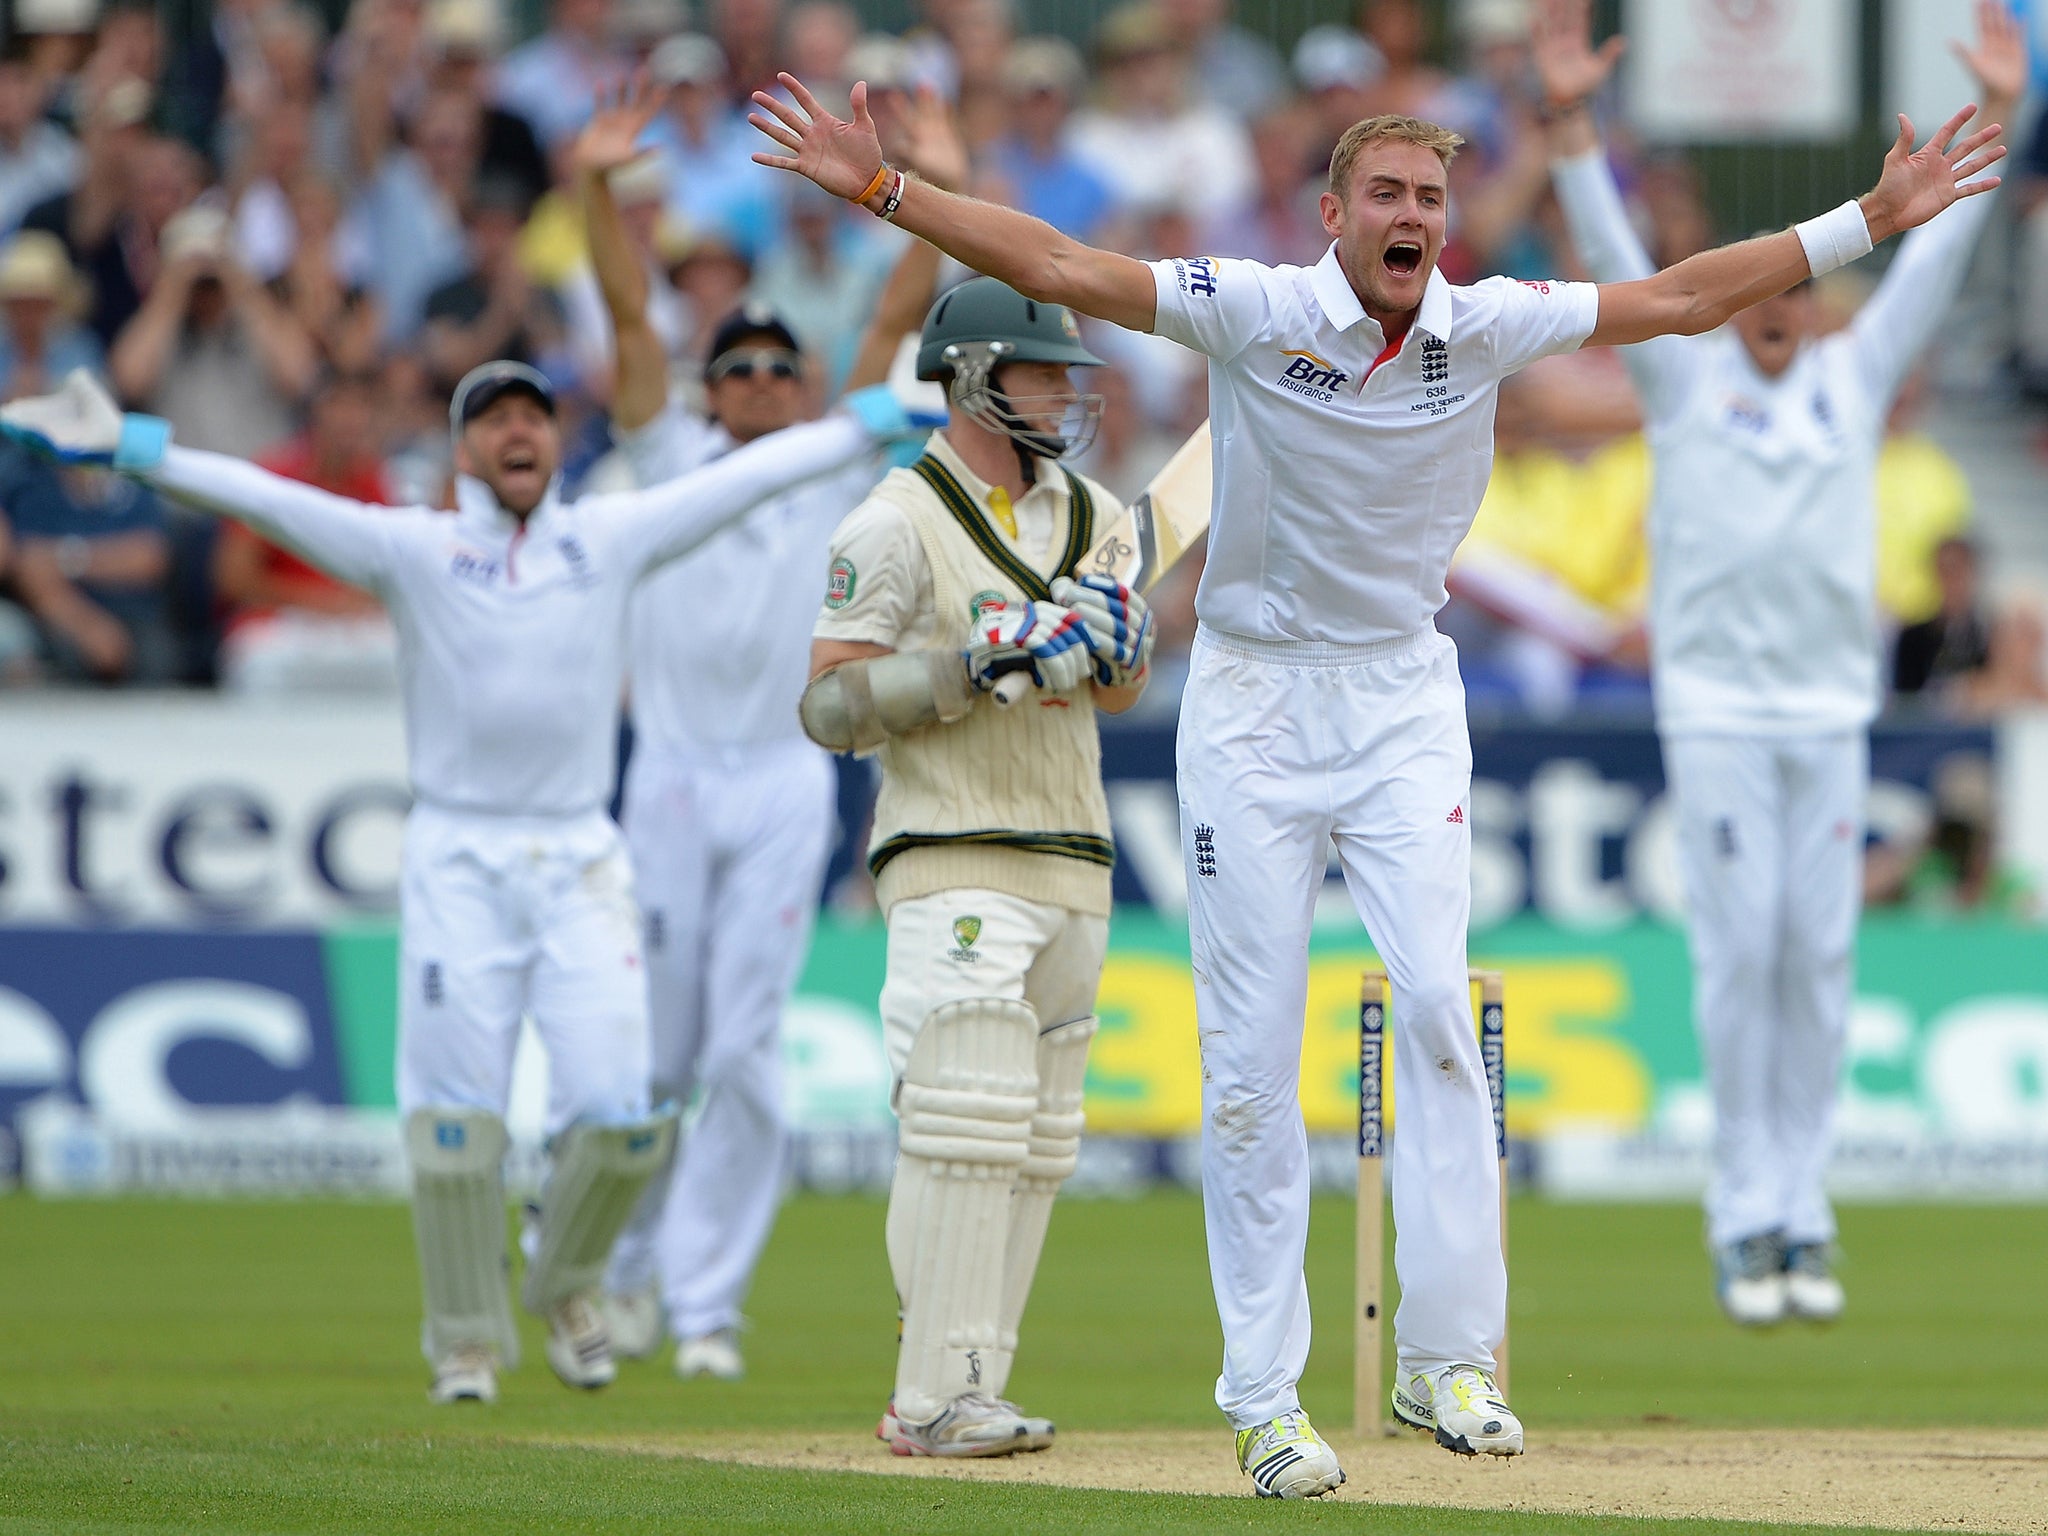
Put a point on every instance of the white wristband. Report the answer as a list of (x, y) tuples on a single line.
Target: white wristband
[(1835, 239)]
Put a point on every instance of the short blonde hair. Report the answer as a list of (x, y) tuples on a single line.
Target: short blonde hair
[(1440, 141)]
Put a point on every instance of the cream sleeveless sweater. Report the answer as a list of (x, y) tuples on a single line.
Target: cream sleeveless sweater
[(1010, 799)]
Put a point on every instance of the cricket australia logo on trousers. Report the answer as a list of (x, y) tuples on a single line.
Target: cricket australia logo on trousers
[(965, 931)]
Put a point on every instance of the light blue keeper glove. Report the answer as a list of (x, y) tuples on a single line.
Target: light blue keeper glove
[(899, 415), (80, 424)]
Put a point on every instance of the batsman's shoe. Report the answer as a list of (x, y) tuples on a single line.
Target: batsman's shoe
[(467, 1374), (1470, 1415), (973, 1424), (1039, 1433), (1749, 1280), (635, 1322), (716, 1355), (1811, 1289), (579, 1346), (1286, 1459)]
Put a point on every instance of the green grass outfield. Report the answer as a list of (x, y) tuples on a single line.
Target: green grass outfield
[(251, 1368)]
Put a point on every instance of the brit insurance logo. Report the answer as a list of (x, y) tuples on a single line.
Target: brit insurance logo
[(1311, 376), (1196, 275)]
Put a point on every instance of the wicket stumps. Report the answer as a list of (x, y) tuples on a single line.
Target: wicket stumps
[(1367, 1386)]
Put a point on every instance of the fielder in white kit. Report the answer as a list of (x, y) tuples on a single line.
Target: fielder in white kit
[(1352, 408), (516, 895), (1765, 650), (729, 809)]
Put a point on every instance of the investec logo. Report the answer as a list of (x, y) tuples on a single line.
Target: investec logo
[(1307, 374)]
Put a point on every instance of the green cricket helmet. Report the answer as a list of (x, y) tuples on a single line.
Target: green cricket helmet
[(982, 324)]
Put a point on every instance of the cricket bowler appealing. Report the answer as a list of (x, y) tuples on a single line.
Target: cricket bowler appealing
[(1765, 646), (516, 895), (991, 851), (1351, 407)]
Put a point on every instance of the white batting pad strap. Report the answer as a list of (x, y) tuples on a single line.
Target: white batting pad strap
[(968, 1093), (598, 1173), (1835, 239), (1055, 1147), (458, 1222)]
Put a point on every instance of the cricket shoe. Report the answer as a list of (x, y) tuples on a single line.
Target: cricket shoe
[(1750, 1281), (634, 1320), (1467, 1412), (1811, 1289), (973, 1424), (579, 1347), (1286, 1459), (716, 1354), (467, 1374), (1039, 1434)]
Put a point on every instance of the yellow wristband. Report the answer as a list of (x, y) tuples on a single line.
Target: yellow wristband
[(874, 186)]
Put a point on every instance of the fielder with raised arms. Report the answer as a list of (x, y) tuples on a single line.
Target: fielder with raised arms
[(516, 896), (1351, 405), (1765, 648), (729, 812), (991, 849)]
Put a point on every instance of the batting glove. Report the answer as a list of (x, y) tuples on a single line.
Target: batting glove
[(1118, 624), (80, 424), (1042, 638)]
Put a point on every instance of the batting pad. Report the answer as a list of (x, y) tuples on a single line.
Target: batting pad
[(964, 1109), (598, 1173), (1050, 1155), (458, 1222)]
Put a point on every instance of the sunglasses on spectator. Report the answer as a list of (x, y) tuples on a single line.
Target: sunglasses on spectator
[(777, 362)]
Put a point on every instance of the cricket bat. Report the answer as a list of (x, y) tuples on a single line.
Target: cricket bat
[(1158, 528)]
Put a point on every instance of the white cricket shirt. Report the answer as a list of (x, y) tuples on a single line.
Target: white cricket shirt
[(762, 580), (1763, 508), (1346, 474), (511, 636)]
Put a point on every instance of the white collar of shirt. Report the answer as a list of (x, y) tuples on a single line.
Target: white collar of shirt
[(477, 505), (1341, 306), (1036, 510)]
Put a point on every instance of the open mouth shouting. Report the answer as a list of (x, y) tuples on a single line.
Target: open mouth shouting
[(1403, 258)]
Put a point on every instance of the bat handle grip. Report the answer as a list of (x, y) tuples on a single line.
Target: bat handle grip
[(1011, 689)]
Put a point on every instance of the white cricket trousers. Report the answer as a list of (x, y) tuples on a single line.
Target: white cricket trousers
[(1284, 748), (503, 916), (729, 850), (1770, 843)]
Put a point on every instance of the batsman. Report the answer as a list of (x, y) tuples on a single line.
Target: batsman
[(991, 849)]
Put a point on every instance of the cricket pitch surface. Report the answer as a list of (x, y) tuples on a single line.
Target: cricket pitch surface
[(1889, 1479)]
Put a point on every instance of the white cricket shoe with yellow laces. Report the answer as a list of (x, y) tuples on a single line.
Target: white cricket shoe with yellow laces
[(1286, 1459), (1463, 1408)]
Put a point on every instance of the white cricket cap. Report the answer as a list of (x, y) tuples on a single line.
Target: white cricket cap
[(1328, 57)]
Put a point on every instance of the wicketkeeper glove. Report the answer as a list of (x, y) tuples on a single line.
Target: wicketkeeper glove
[(1118, 624), (1042, 638), (80, 424)]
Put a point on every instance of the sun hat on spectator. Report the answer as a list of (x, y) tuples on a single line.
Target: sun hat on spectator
[(200, 230), (1132, 31), (33, 265), (1044, 64), (470, 29), (55, 18), (883, 61), (1491, 23), (688, 58), (643, 21), (1333, 58)]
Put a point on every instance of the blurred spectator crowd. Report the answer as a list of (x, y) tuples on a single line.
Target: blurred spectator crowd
[(291, 239)]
